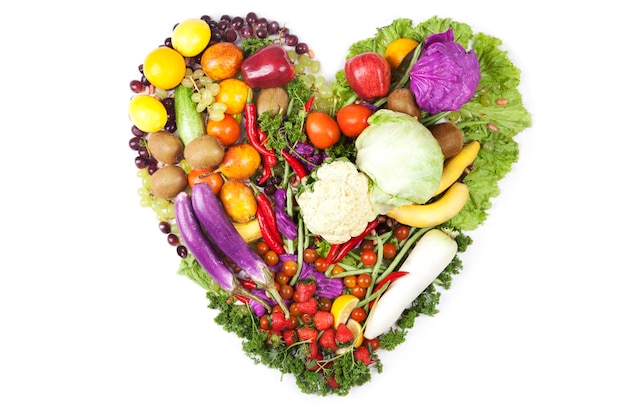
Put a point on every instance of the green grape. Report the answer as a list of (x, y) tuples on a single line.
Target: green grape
[(315, 67), (219, 107), (325, 92), (320, 82), (145, 201), (304, 60), (196, 97), (292, 55), (187, 82), (214, 89)]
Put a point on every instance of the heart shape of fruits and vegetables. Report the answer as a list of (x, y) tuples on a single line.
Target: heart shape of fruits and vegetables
[(322, 217)]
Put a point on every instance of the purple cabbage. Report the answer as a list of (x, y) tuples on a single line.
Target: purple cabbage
[(286, 226), (445, 76)]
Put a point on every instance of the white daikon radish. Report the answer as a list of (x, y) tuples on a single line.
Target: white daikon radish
[(430, 256)]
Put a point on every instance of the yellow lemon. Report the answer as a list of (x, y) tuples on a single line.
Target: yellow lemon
[(164, 67), (357, 330), (147, 113), (397, 50), (191, 36), (342, 307)]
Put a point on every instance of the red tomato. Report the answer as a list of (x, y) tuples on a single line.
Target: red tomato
[(358, 314), (322, 130), (389, 250), (227, 130), (352, 119), (368, 257)]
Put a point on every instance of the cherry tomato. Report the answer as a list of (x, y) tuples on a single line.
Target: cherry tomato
[(358, 292), (264, 322), (349, 281), (373, 344), (286, 292), (358, 314), (271, 258), (325, 303), (368, 257), (294, 310), (337, 270), (262, 247), (389, 251), (290, 268), (281, 278), (309, 255), (364, 280), (367, 244), (352, 119), (214, 179), (322, 130), (306, 318), (320, 264), (401, 232)]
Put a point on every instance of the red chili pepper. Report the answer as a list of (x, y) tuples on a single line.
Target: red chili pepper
[(267, 169), (248, 284), (294, 164), (332, 252), (309, 104), (256, 136), (352, 243), (388, 279), (267, 222), (243, 299)]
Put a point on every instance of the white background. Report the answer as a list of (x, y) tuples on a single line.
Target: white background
[(95, 321)]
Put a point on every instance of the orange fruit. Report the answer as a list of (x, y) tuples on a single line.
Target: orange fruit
[(226, 130), (191, 36), (221, 60), (164, 67), (397, 50), (234, 94)]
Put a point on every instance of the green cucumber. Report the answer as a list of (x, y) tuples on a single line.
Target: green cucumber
[(189, 123)]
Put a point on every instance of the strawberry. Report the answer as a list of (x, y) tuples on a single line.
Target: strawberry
[(332, 382), (307, 333), (362, 354), (308, 307), (343, 335), (289, 336), (304, 290), (327, 340), (323, 320), (279, 321)]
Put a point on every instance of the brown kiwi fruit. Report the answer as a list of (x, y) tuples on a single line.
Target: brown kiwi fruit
[(274, 100), (168, 181), (450, 138), (165, 147), (402, 100), (204, 152)]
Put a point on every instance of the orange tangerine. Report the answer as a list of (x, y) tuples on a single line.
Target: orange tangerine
[(221, 60), (164, 67), (191, 36), (234, 94), (397, 50)]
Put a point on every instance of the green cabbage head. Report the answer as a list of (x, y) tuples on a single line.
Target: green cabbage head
[(402, 159)]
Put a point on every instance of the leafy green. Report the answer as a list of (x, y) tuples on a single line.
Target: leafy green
[(253, 44)]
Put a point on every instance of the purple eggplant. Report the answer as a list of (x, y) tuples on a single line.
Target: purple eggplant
[(285, 223), (268, 67), (203, 251), (223, 235)]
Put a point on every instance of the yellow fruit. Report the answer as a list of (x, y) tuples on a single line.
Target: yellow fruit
[(357, 330), (147, 113), (342, 307), (164, 67), (397, 50), (191, 36), (234, 94)]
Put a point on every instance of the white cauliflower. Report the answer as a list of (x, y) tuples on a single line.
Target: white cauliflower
[(337, 206)]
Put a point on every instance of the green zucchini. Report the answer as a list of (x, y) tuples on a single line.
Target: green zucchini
[(189, 123)]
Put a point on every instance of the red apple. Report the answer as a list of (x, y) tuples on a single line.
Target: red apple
[(369, 75)]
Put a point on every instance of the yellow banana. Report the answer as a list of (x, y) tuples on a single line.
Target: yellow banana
[(433, 214), (249, 231), (453, 167)]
